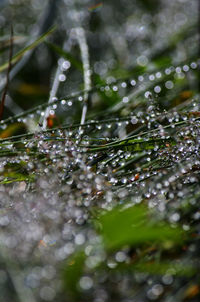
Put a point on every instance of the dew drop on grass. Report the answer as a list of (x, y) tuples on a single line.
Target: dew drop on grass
[(62, 77), (86, 283), (133, 82)]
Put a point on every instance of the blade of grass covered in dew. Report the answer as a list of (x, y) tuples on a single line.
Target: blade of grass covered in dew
[(92, 123), (72, 126), (135, 157), (45, 139), (73, 95), (130, 138), (156, 54), (54, 90), (138, 90), (135, 98), (172, 169), (179, 109), (18, 55), (83, 46), (135, 144), (133, 160), (118, 106), (7, 75), (31, 134), (18, 178), (82, 41)]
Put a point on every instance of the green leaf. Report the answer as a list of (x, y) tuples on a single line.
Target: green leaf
[(72, 273), (159, 268), (18, 55), (132, 226)]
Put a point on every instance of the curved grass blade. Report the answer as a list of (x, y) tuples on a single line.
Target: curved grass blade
[(18, 55)]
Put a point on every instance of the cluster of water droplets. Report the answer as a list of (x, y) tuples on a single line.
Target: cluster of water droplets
[(53, 183)]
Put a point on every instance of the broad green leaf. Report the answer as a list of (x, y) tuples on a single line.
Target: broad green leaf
[(159, 268), (72, 273), (132, 226)]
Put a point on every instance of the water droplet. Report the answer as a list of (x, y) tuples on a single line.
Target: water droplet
[(147, 94), (186, 68), (141, 78), (193, 65), (125, 99), (62, 77), (169, 84), (142, 60), (123, 84), (151, 77), (157, 89), (66, 65), (133, 82), (115, 88), (86, 283)]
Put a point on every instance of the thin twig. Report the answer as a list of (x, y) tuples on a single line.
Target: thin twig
[(7, 74)]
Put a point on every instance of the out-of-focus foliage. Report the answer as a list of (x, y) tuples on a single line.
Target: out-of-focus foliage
[(99, 151)]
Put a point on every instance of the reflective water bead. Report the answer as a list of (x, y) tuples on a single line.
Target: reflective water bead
[(141, 78), (52, 112), (133, 82), (158, 75), (142, 60), (115, 88), (175, 217), (54, 99), (134, 120), (86, 283), (186, 68), (147, 94), (178, 69), (151, 77), (157, 89), (169, 84), (62, 77), (125, 99), (193, 65), (167, 71), (123, 84), (66, 65)]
